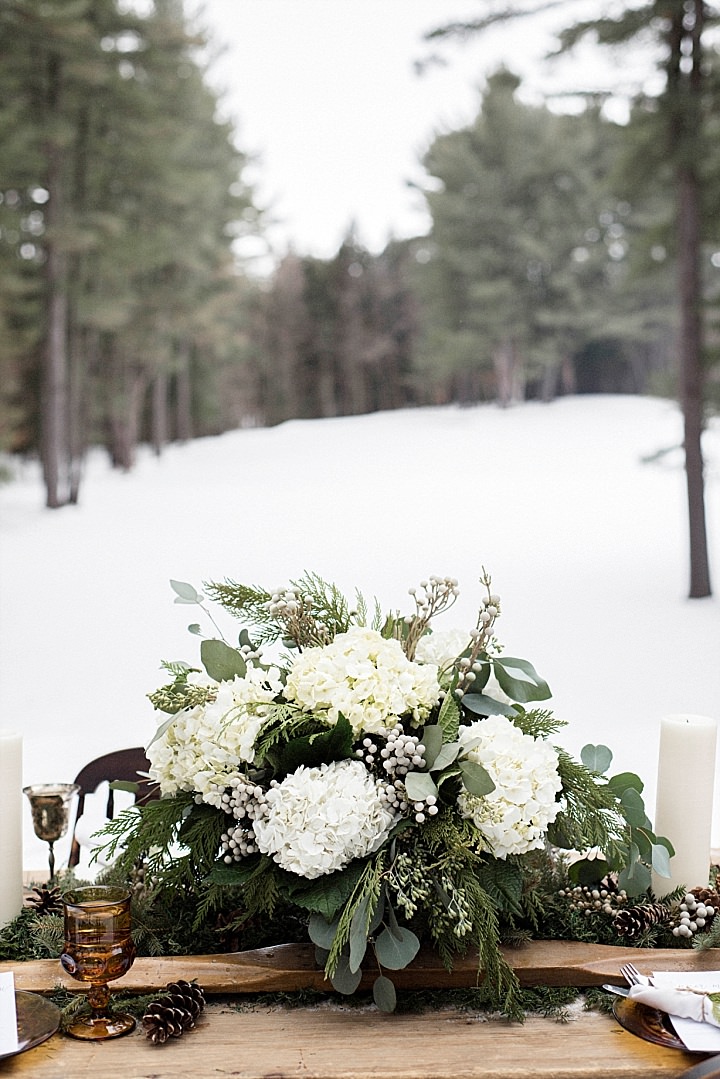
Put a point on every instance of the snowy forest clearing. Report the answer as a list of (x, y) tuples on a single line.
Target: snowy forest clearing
[(576, 508)]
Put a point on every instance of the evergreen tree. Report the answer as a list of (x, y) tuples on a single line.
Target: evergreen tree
[(679, 31)]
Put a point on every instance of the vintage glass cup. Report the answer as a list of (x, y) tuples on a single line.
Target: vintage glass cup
[(98, 948), (50, 805)]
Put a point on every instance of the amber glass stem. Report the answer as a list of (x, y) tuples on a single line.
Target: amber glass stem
[(99, 998)]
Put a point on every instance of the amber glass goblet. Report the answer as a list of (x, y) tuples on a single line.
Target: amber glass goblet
[(98, 948)]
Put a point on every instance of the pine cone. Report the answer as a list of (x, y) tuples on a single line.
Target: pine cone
[(45, 900), (632, 921), (174, 1012)]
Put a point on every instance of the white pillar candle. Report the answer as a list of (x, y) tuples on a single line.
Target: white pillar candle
[(10, 825), (685, 786)]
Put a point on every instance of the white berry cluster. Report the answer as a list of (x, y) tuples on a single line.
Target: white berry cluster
[(402, 753), (427, 807), (237, 843), (245, 802), (591, 900), (284, 602), (434, 595), (393, 796), (693, 915)]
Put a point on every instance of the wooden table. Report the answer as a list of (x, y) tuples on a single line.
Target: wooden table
[(332, 1043), (235, 1038)]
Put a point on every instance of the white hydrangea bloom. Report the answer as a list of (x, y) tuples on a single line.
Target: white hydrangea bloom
[(203, 745), (366, 678), (514, 817), (442, 646), (318, 819)]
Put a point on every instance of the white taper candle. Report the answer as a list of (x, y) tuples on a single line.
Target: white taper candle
[(11, 866), (685, 787)]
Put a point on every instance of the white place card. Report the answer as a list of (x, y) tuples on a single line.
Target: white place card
[(8, 1015), (699, 1037)]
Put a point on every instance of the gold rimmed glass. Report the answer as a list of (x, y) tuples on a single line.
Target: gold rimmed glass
[(98, 949)]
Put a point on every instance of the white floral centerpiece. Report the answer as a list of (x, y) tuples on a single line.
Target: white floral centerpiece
[(392, 780)]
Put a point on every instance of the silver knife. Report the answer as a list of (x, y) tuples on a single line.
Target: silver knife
[(619, 990)]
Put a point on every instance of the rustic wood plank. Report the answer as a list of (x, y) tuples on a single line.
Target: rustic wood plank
[(334, 1043), (290, 967)]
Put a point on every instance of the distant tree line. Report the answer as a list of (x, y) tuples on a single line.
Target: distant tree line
[(126, 316), (120, 194)]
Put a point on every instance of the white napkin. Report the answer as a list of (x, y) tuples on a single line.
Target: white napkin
[(671, 991), (8, 1016), (686, 1003)]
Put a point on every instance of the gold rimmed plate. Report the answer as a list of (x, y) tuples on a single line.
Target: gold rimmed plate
[(37, 1020), (649, 1024)]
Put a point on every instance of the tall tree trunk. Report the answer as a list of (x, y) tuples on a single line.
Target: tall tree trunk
[(692, 377), (54, 389), (159, 412), (183, 394), (685, 93)]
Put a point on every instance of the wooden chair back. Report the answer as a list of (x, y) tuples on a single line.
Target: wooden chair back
[(123, 764)]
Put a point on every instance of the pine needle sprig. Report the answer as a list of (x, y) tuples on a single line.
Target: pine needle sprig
[(136, 838), (240, 599), (537, 722), (590, 816), (710, 938), (328, 604)]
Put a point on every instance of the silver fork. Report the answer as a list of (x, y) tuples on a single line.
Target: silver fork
[(632, 975)]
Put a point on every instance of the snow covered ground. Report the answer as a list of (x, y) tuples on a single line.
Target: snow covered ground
[(574, 508)]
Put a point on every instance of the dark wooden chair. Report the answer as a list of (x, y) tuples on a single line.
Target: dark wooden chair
[(124, 765)]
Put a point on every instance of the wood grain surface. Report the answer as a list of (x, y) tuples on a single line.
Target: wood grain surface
[(290, 967), (334, 1043)]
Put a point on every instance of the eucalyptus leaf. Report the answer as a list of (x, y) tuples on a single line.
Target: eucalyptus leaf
[(432, 739), (321, 931), (194, 627), (321, 956), (396, 950), (384, 994), (358, 935), (482, 705), (419, 785), (165, 725), (186, 593), (660, 860), (446, 756), (519, 679), (379, 912), (633, 809), (596, 758), (344, 980), (625, 781), (222, 662), (449, 717), (635, 879), (475, 778), (644, 844)]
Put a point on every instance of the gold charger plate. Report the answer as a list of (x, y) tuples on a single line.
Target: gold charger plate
[(37, 1020), (650, 1024)]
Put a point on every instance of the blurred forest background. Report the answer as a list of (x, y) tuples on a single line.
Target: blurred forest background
[(567, 253)]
